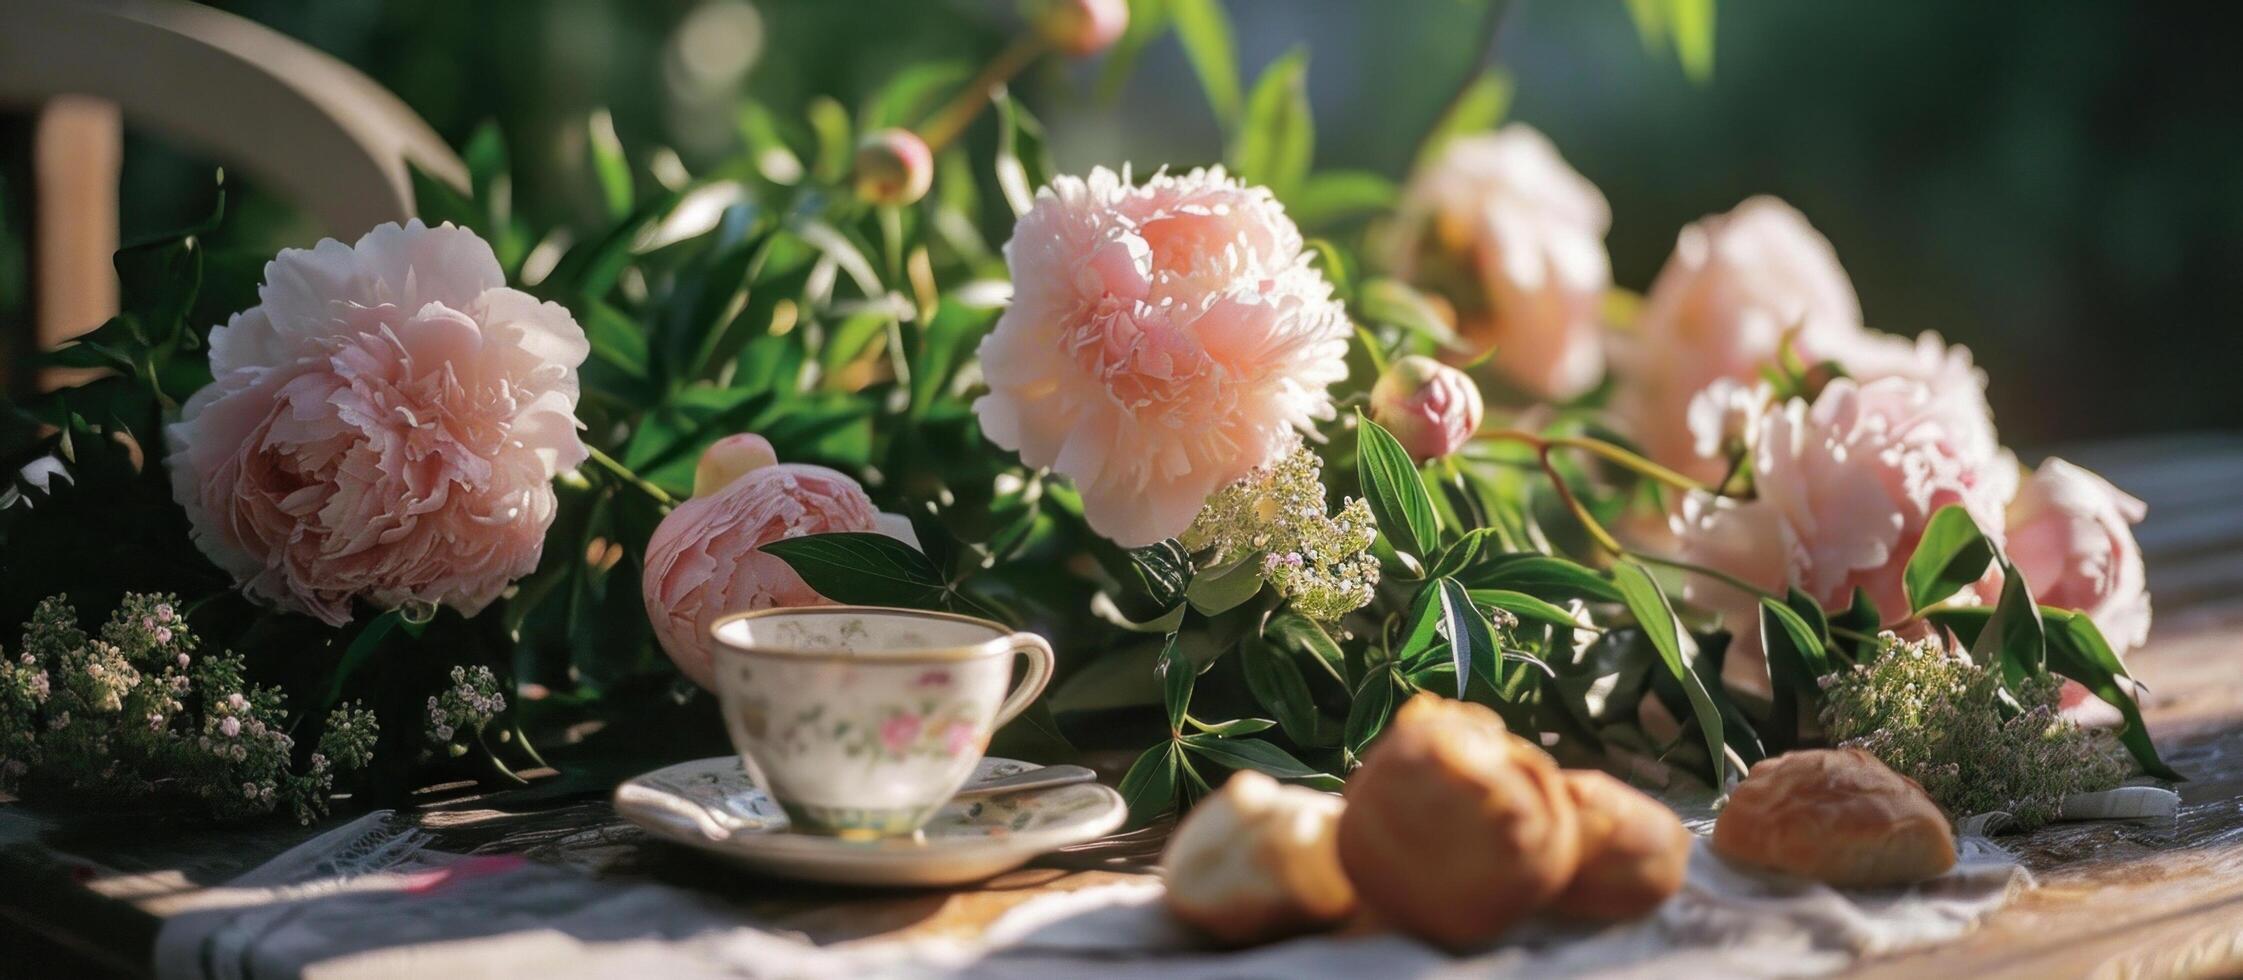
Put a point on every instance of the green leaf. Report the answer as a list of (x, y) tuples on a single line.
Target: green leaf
[(1649, 605), (615, 338), (1395, 302), (1478, 108), (829, 123), (2077, 649), (1205, 32), (1248, 753), (1023, 165), (1796, 662), (1296, 632), (1176, 676), (1276, 682), (1688, 24), (910, 94), (362, 648), (1218, 590), (1372, 707), (1394, 490), (1952, 554), (1861, 617), (1528, 607), (1424, 625), (862, 569), (1238, 727), (1801, 640), (1542, 576), (1332, 196), (1277, 139), (1472, 645), (1459, 554), (1149, 787), (610, 169), (2015, 637)]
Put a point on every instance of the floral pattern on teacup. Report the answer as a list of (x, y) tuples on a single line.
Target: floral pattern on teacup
[(937, 724)]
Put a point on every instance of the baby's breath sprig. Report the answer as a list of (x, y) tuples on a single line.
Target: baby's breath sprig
[(463, 710), (138, 712), (1319, 561), (1938, 718)]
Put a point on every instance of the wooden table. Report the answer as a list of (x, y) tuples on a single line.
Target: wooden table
[(88, 895)]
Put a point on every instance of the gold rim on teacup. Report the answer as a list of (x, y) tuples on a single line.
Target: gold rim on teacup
[(1001, 642)]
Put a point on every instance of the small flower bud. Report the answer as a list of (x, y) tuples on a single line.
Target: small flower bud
[(726, 460), (1078, 27), (1430, 407), (894, 166)]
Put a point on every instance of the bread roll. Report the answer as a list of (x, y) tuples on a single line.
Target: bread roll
[(1837, 816), (1634, 850), (1455, 828), (1257, 861)]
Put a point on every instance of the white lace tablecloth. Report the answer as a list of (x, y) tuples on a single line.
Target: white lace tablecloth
[(370, 899)]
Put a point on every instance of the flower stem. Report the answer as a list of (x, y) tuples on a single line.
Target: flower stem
[(1603, 450), (625, 474), (959, 112), (1589, 522), (1713, 573)]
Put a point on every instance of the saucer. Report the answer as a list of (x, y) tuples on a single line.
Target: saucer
[(710, 805)]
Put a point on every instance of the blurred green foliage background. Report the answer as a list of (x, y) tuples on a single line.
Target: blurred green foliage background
[(2055, 184)]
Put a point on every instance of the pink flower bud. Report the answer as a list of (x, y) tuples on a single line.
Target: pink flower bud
[(1431, 408), (1078, 27), (894, 166), (729, 459)]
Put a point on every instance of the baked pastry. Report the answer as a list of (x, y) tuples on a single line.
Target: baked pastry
[(1634, 850), (1837, 816), (1455, 828), (1257, 861)]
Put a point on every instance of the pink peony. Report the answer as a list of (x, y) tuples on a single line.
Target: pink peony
[(2071, 535), (1528, 233), (1431, 408), (1844, 487), (1735, 284), (704, 560), (385, 424), (1164, 340)]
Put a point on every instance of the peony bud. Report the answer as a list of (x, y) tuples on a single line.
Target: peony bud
[(729, 459), (894, 166), (1078, 27), (1431, 408)]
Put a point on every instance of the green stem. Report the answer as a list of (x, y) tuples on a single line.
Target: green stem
[(1603, 450), (1589, 522), (959, 112), (625, 474), (1717, 575), (482, 739)]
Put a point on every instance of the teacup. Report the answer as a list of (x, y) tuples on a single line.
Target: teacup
[(862, 721)]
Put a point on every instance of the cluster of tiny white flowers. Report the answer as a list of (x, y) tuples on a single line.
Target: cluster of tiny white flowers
[(1320, 562), (465, 708), (1942, 720), (134, 712)]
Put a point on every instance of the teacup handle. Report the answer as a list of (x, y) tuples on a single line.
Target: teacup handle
[(1040, 664)]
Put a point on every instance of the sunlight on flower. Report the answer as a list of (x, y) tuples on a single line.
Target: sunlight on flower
[(1322, 563), (1164, 340), (1513, 237), (385, 424)]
